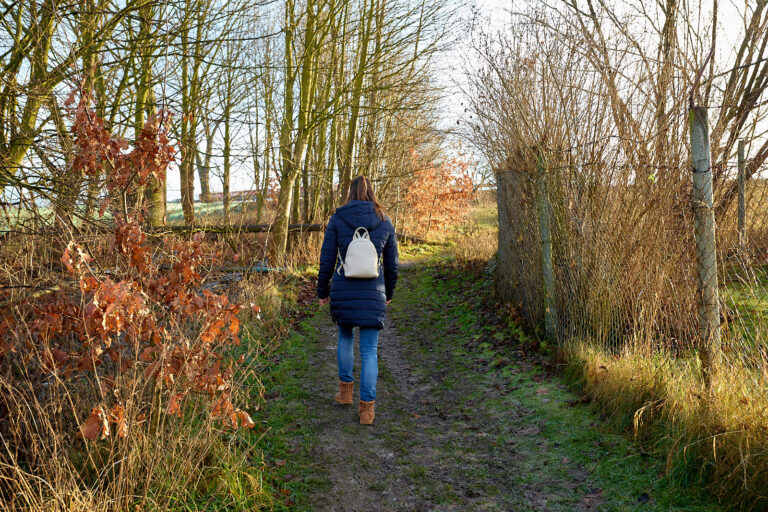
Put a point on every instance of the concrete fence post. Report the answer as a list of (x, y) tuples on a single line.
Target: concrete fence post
[(545, 232), (742, 197), (706, 249)]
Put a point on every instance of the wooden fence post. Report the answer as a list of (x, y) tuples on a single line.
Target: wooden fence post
[(706, 249), (545, 233), (742, 198)]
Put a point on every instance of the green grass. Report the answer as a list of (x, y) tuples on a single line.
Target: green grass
[(745, 295), (287, 441), (208, 211), (411, 252), (266, 468), (213, 212)]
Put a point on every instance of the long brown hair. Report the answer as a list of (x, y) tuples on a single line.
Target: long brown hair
[(361, 190)]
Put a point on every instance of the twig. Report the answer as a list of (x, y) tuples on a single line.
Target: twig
[(698, 77)]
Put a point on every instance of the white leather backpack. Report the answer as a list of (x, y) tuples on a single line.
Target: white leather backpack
[(362, 259)]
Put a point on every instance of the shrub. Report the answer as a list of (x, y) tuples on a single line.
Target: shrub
[(116, 387)]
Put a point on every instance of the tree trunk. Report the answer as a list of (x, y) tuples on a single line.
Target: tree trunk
[(282, 216), (227, 165), (204, 162), (305, 186), (357, 90), (21, 141)]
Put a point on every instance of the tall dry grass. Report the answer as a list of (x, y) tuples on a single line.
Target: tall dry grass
[(716, 434), (475, 237)]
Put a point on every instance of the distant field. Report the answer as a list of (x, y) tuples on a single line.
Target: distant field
[(477, 237), (212, 213), (485, 215)]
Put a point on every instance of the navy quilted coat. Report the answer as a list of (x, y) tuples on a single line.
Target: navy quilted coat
[(357, 302)]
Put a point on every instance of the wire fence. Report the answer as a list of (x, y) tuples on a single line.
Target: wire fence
[(670, 258)]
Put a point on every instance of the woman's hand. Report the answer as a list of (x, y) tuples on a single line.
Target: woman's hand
[(324, 301)]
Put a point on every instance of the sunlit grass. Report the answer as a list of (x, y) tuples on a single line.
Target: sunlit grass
[(713, 436), (485, 215), (213, 213)]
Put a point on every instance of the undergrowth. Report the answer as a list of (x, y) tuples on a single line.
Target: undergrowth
[(715, 438)]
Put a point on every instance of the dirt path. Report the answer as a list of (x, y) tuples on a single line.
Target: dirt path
[(421, 453), (460, 426)]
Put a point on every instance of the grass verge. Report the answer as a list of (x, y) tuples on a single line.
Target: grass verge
[(281, 439), (714, 437)]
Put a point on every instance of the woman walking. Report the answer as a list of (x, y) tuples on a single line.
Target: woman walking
[(358, 302)]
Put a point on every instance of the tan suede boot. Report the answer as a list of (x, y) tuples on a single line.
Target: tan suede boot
[(344, 396), (366, 411)]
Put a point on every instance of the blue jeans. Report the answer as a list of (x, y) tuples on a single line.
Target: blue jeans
[(369, 340)]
